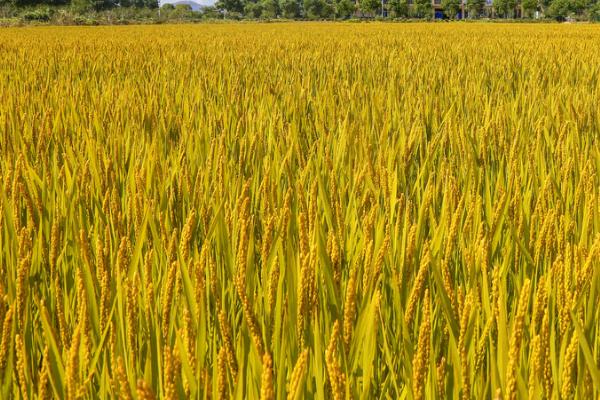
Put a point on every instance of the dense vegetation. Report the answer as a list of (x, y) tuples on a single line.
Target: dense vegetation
[(122, 11), (473, 9), (92, 4), (302, 211)]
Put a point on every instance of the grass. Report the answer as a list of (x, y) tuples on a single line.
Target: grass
[(300, 210)]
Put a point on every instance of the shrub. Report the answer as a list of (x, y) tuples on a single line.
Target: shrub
[(38, 14)]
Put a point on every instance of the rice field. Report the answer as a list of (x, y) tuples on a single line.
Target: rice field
[(300, 211)]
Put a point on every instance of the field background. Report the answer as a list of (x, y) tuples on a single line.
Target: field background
[(303, 210)]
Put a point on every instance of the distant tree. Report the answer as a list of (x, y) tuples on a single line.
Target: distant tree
[(504, 8), (253, 9), (498, 6), (211, 12), (23, 3), (315, 9), (543, 5), (151, 4), (236, 6), (59, 2), (529, 7), (270, 8), (370, 7), (595, 12), (451, 8), (580, 6), (559, 9), (329, 9), (181, 11), (344, 8), (167, 7), (475, 7), (422, 9), (103, 4), (312, 8), (399, 8), (290, 8), (82, 6)]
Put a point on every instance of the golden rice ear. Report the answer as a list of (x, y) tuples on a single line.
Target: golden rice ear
[(337, 378), (267, 391), (420, 363), (516, 341)]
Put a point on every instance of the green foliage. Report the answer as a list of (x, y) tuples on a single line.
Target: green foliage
[(475, 7), (595, 12), (344, 8), (83, 6), (176, 12), (39, 14), (370, 7), (560, 9), (211, 13), (291, 8), (451, 8), (236, 6), (505, 8), (253, 9), (398, 8), (294, 9), (102, 4), (529, 7), (317, 9), (422, 9), (270, 8)]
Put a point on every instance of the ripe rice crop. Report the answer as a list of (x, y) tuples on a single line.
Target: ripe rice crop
[(300, 210)]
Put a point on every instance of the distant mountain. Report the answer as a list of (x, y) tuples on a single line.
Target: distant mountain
[(196, 5)]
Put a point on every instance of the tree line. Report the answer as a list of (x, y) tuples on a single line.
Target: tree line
[(344, 9), (97, 5), (452, 9)]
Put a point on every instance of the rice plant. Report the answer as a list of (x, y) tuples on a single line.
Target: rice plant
[(302, 210)]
